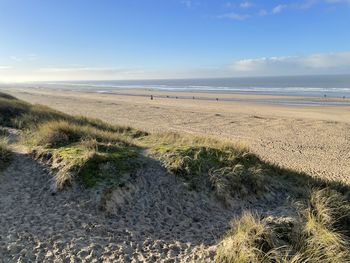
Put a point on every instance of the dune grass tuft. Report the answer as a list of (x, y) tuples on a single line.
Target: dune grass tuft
[(225, 167), (248, 241), (83, 152), (228, 168), (60, 133), (225, 170), (323, 239), (317, 238), (19, 114), (83, 149), (7, 96), (90, 162), (5, 153)]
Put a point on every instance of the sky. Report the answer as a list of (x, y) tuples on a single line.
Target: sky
[(46, 40)]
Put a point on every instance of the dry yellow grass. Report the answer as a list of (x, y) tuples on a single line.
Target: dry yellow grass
[(246, 242), (318, 239), (59, 133)]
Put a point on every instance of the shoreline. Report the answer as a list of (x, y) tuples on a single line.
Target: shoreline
[(233, 97), (313, 140)]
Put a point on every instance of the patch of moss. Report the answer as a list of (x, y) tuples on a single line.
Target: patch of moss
[(90, 166), (108, 166)]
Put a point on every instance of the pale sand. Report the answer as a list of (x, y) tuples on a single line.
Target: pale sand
[(315, 140), (154, 218)]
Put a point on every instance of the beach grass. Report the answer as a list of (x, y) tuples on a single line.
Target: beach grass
[(5, 152), (87, 153), (316, 235), (90, 152), (226, 167), (81, 148)]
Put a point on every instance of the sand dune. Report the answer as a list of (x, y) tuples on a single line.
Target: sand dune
[(310, 139), (154, 214)]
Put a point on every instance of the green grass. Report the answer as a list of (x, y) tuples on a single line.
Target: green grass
[(90, 162), (5, 153), (228, 168), (67, 142), (60, 133), (22, 115), (83, 152), (226, 171), (7, 96)]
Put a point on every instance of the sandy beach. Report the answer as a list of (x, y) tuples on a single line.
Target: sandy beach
[(312, 139), (184, 131), (152, 215)]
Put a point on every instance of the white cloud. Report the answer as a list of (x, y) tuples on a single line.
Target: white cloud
[(79, 69), (235, 16), (337, 1), (85, 72), (263, 12), (28, 57), (190, 3), (278, 9), (230, 5), (307, 4), (309, 64), (187, 3), (5, 67), (32, 57), (14, 58), (246, 4), (319, 63), (274, 10)]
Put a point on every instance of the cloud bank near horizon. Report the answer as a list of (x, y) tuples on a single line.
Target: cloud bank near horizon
[(318, 63)]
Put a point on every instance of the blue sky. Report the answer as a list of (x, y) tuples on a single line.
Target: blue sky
[(130, 39)]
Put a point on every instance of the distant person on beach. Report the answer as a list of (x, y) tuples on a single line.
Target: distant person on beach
[(151, 97)]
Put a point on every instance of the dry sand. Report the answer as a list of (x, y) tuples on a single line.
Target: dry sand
[(154, 218), (312, 139)]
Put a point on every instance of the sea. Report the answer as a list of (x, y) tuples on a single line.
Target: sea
[(333, 89)]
